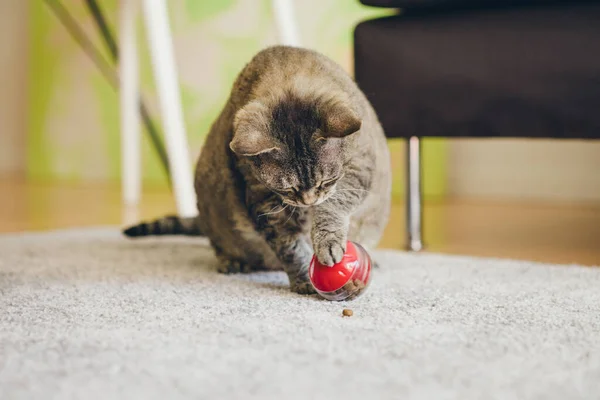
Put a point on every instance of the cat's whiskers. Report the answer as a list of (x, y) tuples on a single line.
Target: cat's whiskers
[(356, 191), (276, 205), (353, 190), (291, 213), (271, 212)]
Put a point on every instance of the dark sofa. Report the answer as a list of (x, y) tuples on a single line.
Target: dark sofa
[(480, 68)]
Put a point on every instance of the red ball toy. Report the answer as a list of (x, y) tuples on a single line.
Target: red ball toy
[(345, 280)]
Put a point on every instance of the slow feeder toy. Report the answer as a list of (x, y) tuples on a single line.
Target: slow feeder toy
[(345, 280)]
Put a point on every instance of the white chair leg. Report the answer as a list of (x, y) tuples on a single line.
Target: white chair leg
[(129, 103), (285, 21), (165, 75)]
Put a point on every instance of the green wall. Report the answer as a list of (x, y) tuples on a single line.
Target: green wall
[(74, 116)]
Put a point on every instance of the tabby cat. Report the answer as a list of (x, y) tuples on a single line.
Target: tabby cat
[(295, 164)]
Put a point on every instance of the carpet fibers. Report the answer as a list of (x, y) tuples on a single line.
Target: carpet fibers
[(88, 314)]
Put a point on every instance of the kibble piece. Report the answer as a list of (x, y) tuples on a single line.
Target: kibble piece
[(359, 284), (347, 312)]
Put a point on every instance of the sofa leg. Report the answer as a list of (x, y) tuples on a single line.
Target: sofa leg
[(414, 195)]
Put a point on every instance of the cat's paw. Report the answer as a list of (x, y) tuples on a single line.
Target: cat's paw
[(330, 251), (233, 267), (302, 287)]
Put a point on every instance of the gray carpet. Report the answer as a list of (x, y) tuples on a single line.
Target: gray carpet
[(90, 315)]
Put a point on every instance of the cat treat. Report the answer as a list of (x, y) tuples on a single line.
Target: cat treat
[(345, 280)]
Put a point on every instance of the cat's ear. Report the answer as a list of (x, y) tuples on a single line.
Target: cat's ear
[(251, 143), (251, 131), (339, 120)]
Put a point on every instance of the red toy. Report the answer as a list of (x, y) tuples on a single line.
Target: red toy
[(345, 280)]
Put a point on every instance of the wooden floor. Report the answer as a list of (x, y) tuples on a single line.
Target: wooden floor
[(551, 233)]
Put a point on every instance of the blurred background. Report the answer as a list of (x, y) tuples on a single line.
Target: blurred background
[(60, 139)]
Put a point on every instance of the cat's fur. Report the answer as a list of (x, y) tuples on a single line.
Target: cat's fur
[(294, 120)]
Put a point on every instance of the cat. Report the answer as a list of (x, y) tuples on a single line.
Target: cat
[(296, 164)]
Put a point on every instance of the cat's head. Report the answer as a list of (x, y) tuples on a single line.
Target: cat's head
[(295, 146)]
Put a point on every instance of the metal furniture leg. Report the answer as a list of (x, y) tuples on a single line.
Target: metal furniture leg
[(414, 195)]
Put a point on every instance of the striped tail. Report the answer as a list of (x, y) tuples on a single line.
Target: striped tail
[(168, 225)]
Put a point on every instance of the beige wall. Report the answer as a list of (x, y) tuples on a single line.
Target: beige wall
[(13, 63), (525, 169)]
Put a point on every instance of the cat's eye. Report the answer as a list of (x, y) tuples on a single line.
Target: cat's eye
[(288, 191), (328, 183)]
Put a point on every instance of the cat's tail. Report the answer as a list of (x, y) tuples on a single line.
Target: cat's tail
[(167, 225)]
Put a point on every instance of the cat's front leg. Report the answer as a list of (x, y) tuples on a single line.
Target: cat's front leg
[(295, 253), (331, 219), (285, 232), (329, 233)]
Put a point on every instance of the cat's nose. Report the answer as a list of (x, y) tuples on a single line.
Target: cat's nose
[(309, 198)]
